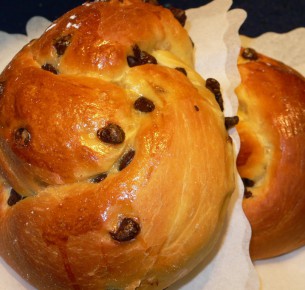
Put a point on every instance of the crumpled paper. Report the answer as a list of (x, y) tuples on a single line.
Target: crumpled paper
[(287, 271), (214, 31)]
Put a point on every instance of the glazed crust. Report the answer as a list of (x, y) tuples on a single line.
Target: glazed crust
[(177, 173), (272, 133)]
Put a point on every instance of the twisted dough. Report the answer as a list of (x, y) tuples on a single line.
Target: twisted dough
[(119, 149)]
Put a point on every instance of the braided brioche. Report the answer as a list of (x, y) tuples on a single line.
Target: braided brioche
[(271, 160), (116, 163)]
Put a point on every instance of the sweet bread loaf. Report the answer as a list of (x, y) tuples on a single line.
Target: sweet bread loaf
[(116, 163), (271, 160)]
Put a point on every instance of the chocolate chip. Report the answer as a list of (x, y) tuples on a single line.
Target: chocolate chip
[(247, 182), (132, 61), (179, 14), (181, 69), (14, 197), (136, 51), (112, 134), (98, 178), (196, 108), (231, 121), (22, 137), (50, 68), (247, 193), (143, 104), (219, 99), (62, 43), (214, 86), (127, 230), (140, 57), (2, 84), (146, 58), (126, 159), (249, 53)]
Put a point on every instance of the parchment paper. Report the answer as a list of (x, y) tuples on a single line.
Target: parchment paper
[(215, 34), (214, 31), (287, 271)]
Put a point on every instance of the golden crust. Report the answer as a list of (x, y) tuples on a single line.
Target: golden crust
[(272, 132), (175, 188)]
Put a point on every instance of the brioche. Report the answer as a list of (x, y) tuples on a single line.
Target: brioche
[(271, 160), (116, 164)]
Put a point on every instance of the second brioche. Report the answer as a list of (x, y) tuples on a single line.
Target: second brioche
[(271, 160)]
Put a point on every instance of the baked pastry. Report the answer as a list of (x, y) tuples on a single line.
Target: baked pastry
[(117, 166), (271, 160)]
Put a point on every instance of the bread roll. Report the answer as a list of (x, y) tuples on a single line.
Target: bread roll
[(272, 155), (117, 166)]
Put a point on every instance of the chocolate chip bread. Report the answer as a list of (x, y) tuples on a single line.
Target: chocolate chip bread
[(271, 160), (116, 163)]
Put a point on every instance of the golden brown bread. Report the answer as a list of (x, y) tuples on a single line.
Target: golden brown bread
[(119, 149), (272, 155)]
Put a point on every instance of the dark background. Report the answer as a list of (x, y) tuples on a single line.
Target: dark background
[(263, 15)]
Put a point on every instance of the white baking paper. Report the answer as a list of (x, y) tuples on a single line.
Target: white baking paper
[(214, 30), (287, 271)]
